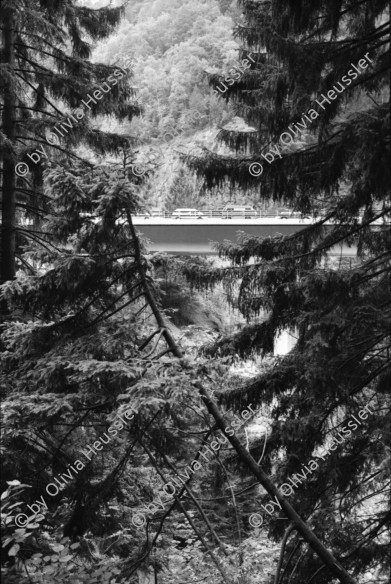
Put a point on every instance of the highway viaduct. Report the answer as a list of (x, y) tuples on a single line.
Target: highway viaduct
[(195, 236)]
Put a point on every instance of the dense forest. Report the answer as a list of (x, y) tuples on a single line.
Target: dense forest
[(152, 433)]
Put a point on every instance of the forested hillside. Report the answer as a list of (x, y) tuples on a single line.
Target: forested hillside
[(152, 433), (173, 46)]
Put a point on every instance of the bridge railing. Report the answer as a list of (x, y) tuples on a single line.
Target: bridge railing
[(218, 213), (210, 213)]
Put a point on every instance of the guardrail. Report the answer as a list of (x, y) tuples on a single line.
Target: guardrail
[(215, 213)]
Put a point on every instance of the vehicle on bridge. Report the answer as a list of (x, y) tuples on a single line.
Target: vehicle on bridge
[(143, 212), (187, 214), (231, 211), (289, 214)]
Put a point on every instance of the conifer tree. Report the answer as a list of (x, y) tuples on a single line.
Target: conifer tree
[(75, 329), (317, 100), (76, 348), (48, 86)]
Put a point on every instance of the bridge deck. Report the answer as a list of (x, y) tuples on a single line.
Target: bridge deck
[(194, 236)]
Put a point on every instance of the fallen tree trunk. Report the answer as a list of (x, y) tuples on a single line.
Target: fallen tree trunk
[(163, 328), (307, 534)]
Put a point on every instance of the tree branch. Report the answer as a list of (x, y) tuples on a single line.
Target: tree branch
[(287, 533), (199, 535), (307, 534)]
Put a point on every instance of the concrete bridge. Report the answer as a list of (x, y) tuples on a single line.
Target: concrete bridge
[(194, 236)]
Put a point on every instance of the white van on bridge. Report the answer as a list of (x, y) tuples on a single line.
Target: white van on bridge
[(187, 214), (243, 211)]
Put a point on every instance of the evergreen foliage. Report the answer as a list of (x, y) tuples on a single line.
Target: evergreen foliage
[(46, 78), (172, 43), (85, 337), (339, 312), (78, 346)]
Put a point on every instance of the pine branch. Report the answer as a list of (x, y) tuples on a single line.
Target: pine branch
[(99, 319), (191, 522), (166, 514), (37, 49), (56, 147), (200, 509), (28, 266), (141, 309), (35, 110), (36, 90), (101, 292), (33, 193), (161, 332), (315, 574), (149, 339), (33, 235), (42, 212), (287, 533)]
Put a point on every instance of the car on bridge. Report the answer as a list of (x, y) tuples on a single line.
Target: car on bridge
[(187, 214), (288, 214), (144, 213), (243, 211)]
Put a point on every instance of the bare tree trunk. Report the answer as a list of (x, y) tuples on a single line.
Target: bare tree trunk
[(307, 534), (8, 233)]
